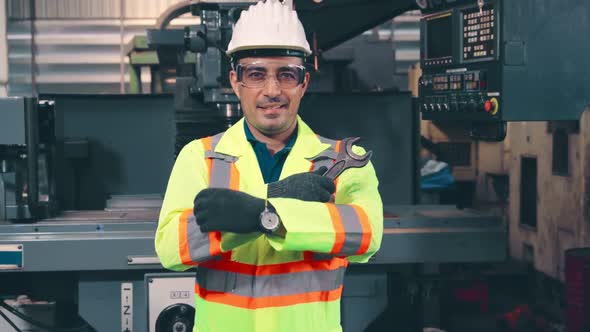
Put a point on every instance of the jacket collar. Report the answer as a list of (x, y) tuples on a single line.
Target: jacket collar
[(235, 143)]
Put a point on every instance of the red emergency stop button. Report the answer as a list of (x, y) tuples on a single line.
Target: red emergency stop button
[(488, 106)]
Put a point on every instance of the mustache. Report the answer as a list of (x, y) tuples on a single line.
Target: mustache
[(272, 101)]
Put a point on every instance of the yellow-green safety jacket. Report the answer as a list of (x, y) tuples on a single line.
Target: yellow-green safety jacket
[(255, 282)]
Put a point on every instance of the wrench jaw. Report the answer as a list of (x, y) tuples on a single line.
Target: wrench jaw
[(367, 156), (348, 143), (347, 159)]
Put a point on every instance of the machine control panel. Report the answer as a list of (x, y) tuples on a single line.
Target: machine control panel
[(457, 93), (459, 57), (486, 62)]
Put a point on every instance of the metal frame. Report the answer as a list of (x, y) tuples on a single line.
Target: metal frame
[(419, 234)]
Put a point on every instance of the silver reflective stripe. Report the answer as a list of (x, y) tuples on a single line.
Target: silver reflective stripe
[(221, 166), (328, 141), (215, 139), (220, 174), (354, 234), (220, 156), (352, 227), (254, 286), (198, 242)]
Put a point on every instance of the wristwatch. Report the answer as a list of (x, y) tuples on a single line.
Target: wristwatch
[(269, 219)]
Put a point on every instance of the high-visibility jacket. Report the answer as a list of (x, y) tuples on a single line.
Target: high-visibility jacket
[(256, 282)]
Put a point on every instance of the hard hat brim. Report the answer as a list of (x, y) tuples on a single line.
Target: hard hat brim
[(268, 50)]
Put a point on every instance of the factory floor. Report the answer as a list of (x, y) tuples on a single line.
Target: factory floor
[(473, 298), (514, 296)]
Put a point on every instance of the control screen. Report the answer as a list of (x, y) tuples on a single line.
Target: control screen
[(478, 34), (438, 32)]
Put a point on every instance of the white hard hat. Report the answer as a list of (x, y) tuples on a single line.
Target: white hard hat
[(269, 25)]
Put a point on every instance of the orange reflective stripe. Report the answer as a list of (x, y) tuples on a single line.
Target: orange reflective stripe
[(206, 143), (291, 267), (214, 243), (183, 243), (339, 231), (234, 177), (267, 302), (367, 229), (207, 147)]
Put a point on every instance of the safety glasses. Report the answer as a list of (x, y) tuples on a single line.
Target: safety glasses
[(256, 74)]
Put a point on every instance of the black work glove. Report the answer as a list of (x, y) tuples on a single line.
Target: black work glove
[(227, 210), (311, 186)]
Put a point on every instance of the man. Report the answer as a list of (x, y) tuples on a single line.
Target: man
[(249, 208)]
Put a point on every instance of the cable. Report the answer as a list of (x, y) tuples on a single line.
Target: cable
[(10, 322), (85, 327), (173, 12)]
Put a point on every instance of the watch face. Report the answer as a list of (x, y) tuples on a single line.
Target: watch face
[(269, 220)]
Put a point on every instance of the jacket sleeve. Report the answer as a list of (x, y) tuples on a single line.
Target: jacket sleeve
[(179, 242), (350, 227)]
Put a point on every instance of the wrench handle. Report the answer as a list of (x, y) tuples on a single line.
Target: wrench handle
[(335, 170)]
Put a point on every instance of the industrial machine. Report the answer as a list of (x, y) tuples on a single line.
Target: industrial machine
[(204, 101), (27, 159), (103, 246), (101, 243), (492, 61), (171, 297)]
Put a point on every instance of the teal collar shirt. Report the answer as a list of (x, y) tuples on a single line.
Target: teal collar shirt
[(270, 165)]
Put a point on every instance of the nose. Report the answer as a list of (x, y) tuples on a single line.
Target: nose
[(272, 88)]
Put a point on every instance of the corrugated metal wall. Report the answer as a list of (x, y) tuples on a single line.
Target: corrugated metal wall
[(79, 43), (88, 9), (3, 50), (406, 40)]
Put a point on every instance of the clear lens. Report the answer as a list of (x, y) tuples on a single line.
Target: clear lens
[(256, 75)]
